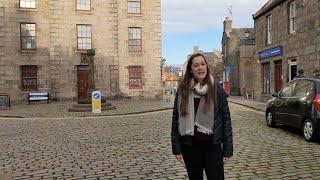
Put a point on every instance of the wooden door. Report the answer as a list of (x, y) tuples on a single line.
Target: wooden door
[(83, 83), (278, 76)]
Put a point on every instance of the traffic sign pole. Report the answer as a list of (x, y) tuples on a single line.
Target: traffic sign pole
[(96, 102)]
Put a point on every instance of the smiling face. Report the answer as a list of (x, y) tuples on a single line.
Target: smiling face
[(199, 68)]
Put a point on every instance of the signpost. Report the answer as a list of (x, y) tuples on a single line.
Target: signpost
[(228, 69), (96, 102), (173, 71)]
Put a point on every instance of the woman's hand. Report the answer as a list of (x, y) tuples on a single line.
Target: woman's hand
[(226, 160), (179, 157)]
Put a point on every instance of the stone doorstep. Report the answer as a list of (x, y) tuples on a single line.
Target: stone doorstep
[(89, 105)]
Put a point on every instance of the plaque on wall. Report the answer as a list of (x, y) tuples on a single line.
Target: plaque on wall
[(4, 101)]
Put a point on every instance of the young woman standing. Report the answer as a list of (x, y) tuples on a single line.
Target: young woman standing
[(201, 133)]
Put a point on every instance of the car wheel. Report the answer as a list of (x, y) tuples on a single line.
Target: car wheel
[(308, 130), (270, 119)]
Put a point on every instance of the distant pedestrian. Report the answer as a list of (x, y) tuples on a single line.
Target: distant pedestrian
[(316, 73), (201, 123), (300, 74)]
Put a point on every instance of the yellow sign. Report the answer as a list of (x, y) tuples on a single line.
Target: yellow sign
[(96, 104)]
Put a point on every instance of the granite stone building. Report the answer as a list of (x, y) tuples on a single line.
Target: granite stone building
[(43, 44), (287, 39), (213, 59), (238, 58)]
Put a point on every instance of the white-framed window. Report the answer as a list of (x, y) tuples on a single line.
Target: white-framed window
[(266, 78), (269, 29), (292, 69), (28, 36), (135, 42), (28, 4), (84, 36), (292, 17), (83, 5), (134, 6)]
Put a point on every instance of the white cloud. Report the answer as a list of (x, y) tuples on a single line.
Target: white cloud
[(196, 15)]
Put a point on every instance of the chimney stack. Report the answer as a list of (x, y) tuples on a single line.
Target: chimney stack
[(227, 25), (196, 49)]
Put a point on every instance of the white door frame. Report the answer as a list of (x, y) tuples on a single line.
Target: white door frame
[(292, 62)]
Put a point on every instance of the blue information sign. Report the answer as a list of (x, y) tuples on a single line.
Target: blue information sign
[(228, 69), (276, 51), (172, 69), (96, 95)]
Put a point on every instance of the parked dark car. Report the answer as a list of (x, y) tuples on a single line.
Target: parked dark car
[(297, 105)]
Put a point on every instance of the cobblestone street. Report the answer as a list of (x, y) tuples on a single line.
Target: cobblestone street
[(139, 147)]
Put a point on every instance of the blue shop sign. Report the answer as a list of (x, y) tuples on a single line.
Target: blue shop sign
[(276, 51)]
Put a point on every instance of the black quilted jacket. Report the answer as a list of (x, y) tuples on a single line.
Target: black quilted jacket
[(222, 129)]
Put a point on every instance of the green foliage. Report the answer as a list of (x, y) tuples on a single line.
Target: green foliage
[(91, 52)]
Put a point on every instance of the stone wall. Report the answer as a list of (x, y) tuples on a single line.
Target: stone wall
[(2, 43), (303, 45), (231, 58), (248, 68), (150, 57), (57, 56)]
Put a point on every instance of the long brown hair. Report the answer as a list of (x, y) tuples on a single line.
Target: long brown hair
[(184, 87)]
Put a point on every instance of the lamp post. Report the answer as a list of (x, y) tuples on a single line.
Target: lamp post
[(162, 63), (247, 35), (241, 57)]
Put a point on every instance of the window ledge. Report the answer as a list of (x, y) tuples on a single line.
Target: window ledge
[(136, 53), (28, 50), (134, 14), (81, 51), (135, 89), (85, 11), (28, 90), (292, 34), (27, 10)]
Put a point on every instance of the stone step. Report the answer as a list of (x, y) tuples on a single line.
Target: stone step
[(89, 105), (88, 100), (88, 109)]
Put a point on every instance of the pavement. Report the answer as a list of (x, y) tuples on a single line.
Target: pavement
[(60, 109), (123, 107), (250, 103), (138, 146)]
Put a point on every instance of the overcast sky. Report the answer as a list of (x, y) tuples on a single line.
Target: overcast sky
[(186, 23)]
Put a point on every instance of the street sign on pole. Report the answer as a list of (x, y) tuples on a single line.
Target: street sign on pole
[(228, 69), (96, 102)]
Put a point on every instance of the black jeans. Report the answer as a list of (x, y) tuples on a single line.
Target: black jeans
[(203, 155)]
